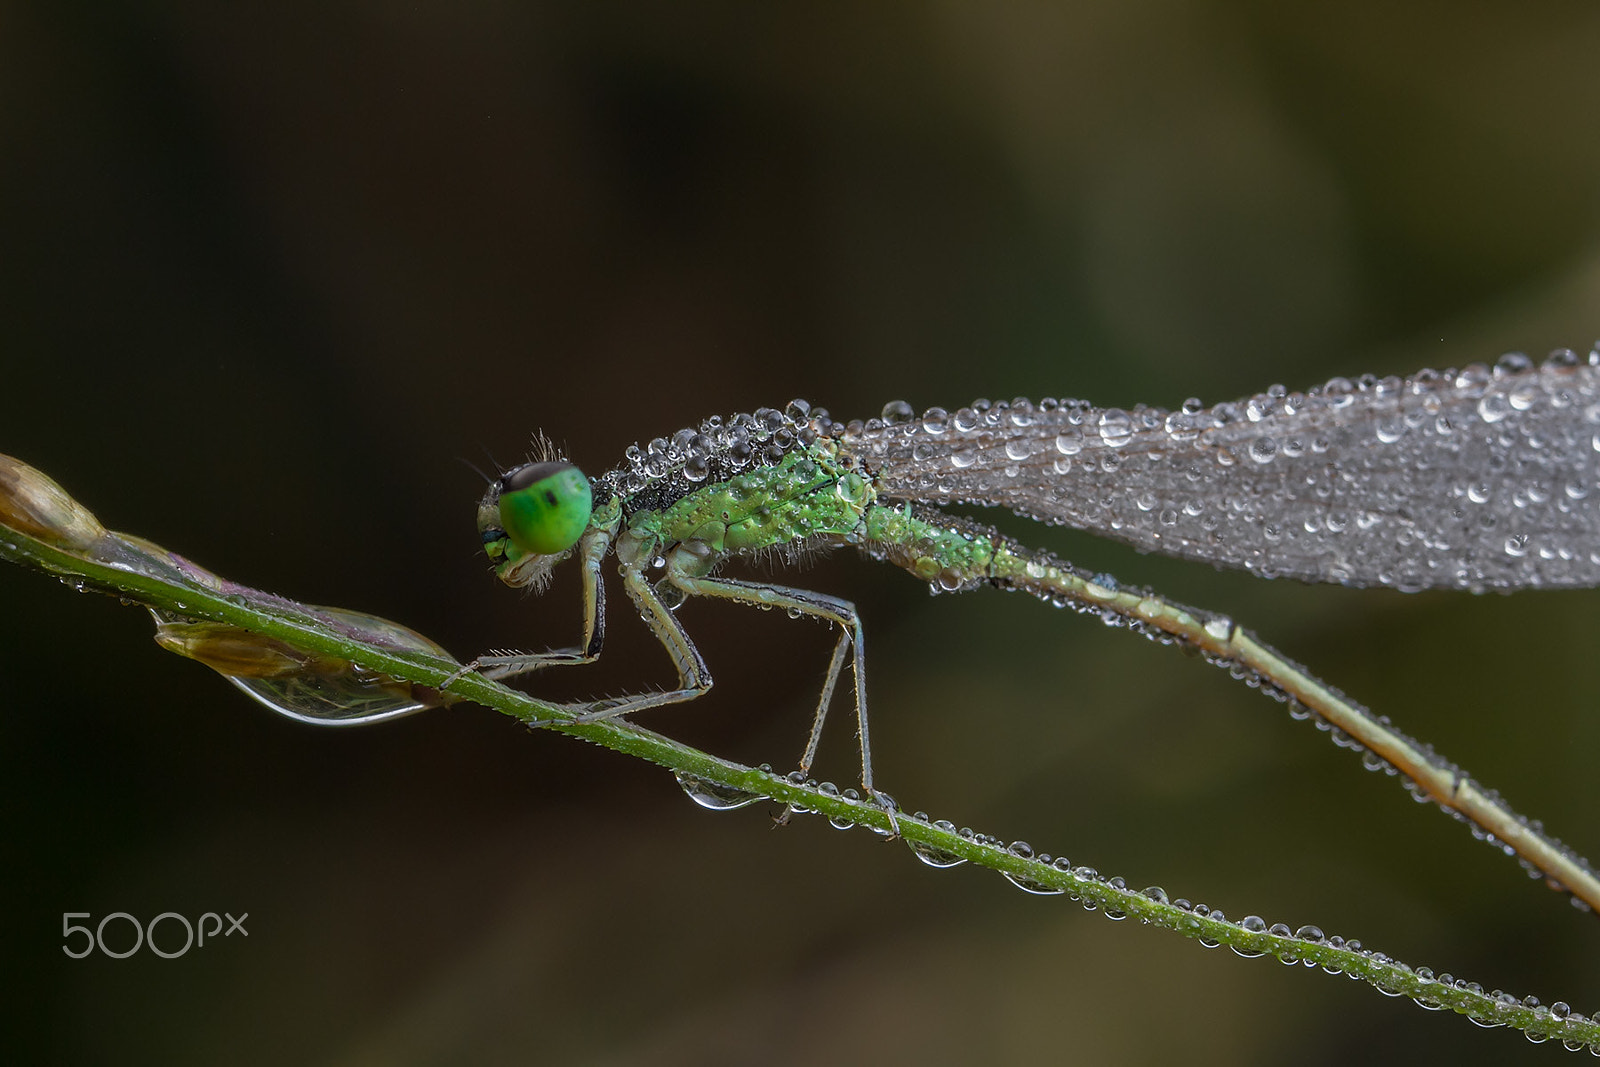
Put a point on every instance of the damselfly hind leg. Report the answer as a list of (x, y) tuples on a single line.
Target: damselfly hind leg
[(694, 679), (841, 613)]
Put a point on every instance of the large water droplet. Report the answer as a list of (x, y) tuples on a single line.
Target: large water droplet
[(934, 856), (714, 796), (1253, 924), (1493, 407), (1116, 427), (896, 411), (1029, 885)]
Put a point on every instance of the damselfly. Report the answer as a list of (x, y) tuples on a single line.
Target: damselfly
[(1486, 478)]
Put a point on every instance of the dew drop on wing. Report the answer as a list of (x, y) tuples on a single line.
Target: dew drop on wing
[(897, 411), (1115, 427), (1388, 464)]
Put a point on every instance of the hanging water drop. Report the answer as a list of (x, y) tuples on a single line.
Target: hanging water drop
[(714, 796), (934, 856)]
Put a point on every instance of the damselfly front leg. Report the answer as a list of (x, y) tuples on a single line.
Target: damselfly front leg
[(591, 549)]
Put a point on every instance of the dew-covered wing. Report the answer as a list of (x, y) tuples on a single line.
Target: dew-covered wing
[(1480, 478)]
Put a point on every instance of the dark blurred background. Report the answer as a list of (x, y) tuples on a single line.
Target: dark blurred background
[(269, 273)]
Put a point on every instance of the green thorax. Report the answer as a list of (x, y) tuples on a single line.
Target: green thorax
[(811, 496)]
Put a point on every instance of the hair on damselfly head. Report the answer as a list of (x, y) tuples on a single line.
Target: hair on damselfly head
[(542, 449), (475, 469)]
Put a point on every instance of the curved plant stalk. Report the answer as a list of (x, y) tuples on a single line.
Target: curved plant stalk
[(304, 656)]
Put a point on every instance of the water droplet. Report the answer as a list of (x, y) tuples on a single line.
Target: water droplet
[(1253, 924), (1028, 885), (1512, 363), (1493, 407), (1183, 425), (1116, 427), (838, 822), (1312, 935), (934, 856), (714, 796), (852, 489), (1262, 449), (897, 411), (1101, 591)]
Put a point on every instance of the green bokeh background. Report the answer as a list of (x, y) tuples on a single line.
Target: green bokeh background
[(269, 272)]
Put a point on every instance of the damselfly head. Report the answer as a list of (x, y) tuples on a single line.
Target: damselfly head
[(530, 518)]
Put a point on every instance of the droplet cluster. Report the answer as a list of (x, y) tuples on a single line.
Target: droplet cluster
[(1252, 936), (1479, 478), (668, 468)]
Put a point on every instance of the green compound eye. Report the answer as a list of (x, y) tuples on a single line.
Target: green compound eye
[(545, 507)]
